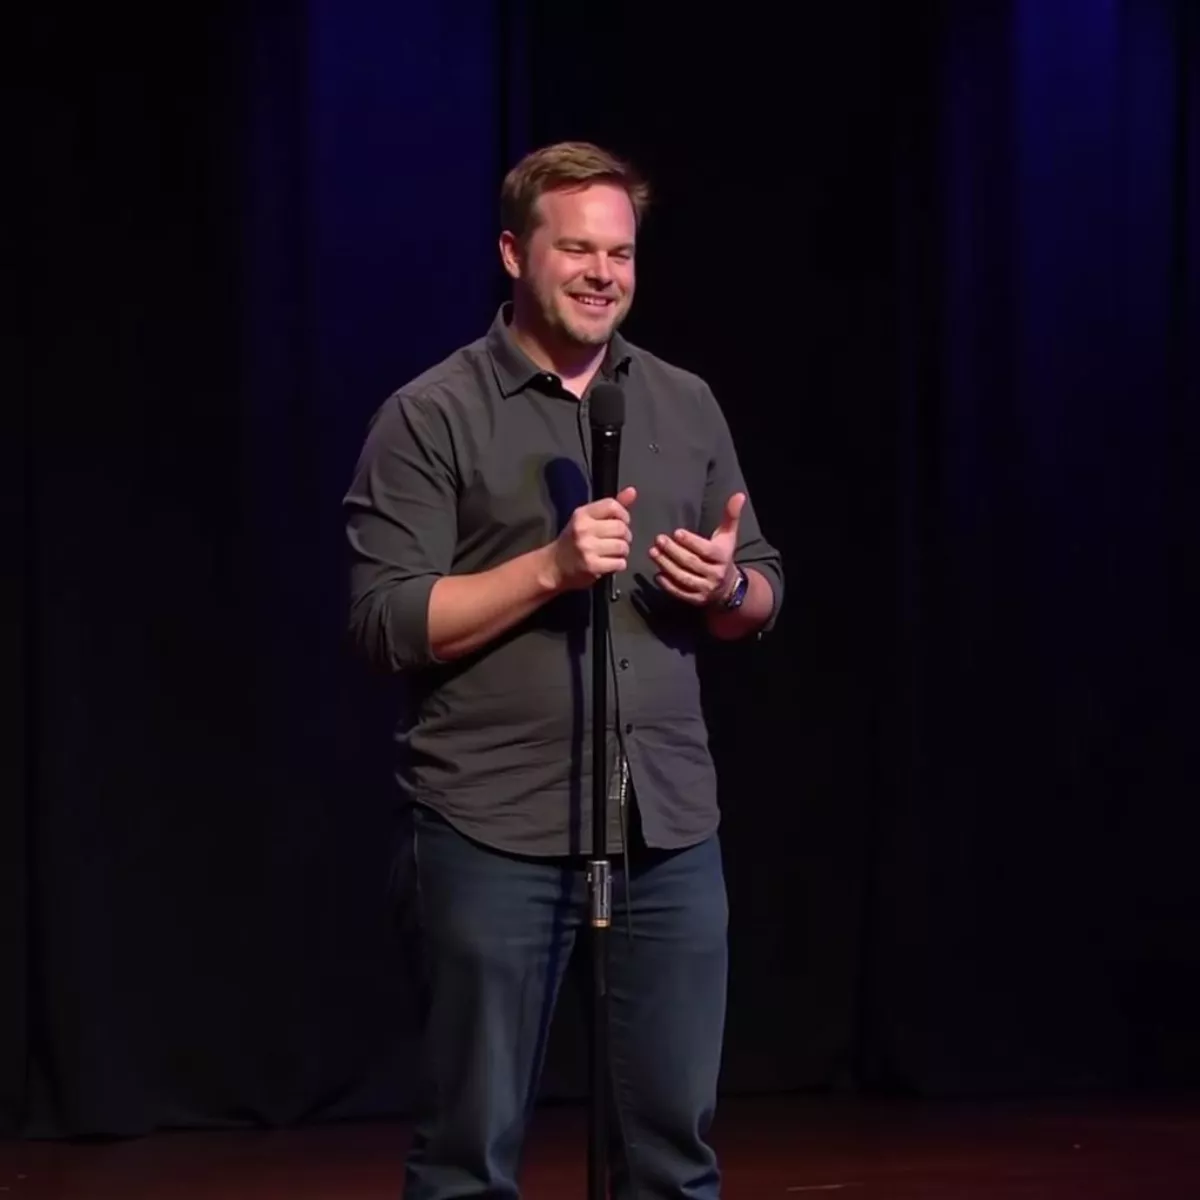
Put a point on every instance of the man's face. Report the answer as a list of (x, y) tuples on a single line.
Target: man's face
[(578, 263)]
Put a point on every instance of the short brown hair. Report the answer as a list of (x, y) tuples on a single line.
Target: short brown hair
[(564, 166)]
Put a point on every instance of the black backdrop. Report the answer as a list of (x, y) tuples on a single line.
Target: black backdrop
[(941, 268)]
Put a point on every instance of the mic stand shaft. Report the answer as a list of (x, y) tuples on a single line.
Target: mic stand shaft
[(600, 893)]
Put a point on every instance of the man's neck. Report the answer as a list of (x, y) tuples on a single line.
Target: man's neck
[(575, 365)]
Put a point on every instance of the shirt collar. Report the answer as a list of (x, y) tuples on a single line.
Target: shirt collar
[(515, 370)]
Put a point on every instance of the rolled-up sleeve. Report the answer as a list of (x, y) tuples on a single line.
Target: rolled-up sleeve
[(725, 478), (401, 523)]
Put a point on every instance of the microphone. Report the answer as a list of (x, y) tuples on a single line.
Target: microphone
[(607, 416)]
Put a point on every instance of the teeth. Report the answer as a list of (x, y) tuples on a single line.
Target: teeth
[(594, 301)]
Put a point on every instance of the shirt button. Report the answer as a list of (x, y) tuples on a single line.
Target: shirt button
[(624, 664), (628, 726)]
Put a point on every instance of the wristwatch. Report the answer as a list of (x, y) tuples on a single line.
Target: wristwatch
[(735, 598)]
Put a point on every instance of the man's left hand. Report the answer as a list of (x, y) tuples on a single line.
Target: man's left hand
[(698, 570)]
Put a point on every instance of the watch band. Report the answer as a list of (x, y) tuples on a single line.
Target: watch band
[(738, 595)]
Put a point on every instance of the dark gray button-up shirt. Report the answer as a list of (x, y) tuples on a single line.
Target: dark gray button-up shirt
[(483, 458)]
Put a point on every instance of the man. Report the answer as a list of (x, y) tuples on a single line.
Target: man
[(475, 546)]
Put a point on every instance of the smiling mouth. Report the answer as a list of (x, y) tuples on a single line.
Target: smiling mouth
[(596, 302)]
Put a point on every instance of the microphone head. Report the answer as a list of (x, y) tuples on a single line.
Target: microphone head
[(607, 406)]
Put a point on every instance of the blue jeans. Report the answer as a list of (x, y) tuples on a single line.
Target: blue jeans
[(495, 933)]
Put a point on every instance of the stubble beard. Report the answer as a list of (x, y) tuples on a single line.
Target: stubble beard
[(580, 334)]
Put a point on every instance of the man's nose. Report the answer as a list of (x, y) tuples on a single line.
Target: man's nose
[(600, 269)]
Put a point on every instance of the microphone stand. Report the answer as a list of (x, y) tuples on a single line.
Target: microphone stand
[(600, 893), (606, 417)]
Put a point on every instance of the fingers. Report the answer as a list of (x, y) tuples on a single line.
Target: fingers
[(607, 548), (691, 586), (604, 557), (604, 546), (688, 594), (600, 534), (603, 529), (672, 578), (673, 552), (700, 547), (733, 509), (613, 506), (690, 575), (610, 529)]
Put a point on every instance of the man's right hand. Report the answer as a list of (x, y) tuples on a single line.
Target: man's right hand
[(595, 542)]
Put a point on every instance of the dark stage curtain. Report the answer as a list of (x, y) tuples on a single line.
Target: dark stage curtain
[(1035, 883), (941, 269), (252, 224)]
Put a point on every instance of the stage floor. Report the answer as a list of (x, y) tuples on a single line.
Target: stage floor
[(771, 1148)]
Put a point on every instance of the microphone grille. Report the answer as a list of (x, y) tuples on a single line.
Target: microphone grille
[(607, 406)]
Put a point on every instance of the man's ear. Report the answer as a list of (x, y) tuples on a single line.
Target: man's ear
[(510, 254)]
